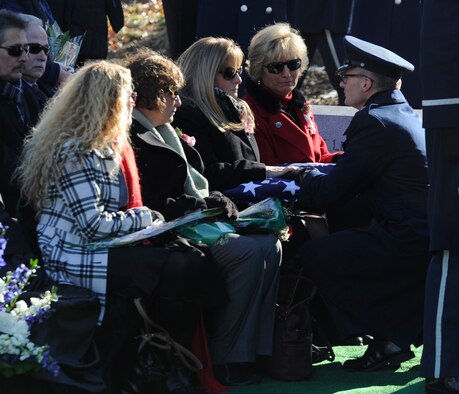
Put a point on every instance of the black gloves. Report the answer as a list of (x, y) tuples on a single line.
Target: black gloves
[(219, 200), (298, 175)]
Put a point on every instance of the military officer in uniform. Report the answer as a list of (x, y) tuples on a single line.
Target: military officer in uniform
[(440, 84), (372, 278)]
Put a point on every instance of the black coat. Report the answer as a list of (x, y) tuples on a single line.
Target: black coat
[(230, 158), (181, 17), (373, 278), (12, 134), (89, 17), (163, 174)]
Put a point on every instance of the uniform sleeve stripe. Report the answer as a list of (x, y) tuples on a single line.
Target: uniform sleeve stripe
[(446, 101)]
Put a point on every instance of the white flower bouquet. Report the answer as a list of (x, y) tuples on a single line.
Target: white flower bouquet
[(18, 354)]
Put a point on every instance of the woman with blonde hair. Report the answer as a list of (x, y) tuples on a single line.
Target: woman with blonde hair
[(285, 128), (222, 124), (78, 172)]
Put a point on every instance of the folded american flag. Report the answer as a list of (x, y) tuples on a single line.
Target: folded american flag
[(283, 189)]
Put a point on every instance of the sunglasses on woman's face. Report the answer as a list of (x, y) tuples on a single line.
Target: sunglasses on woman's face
[(35, 49), (230, 72), (278, 67), (17, 50)]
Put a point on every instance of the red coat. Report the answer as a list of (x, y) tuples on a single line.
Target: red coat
[(280, 138)]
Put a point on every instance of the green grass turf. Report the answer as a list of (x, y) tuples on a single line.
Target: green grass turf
[(329, 378)]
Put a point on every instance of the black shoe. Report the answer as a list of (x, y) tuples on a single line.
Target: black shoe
[(442, 385), (322, 353), (236, 374), (360, 340), (379, 355)]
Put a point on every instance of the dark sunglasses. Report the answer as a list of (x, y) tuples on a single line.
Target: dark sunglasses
[(278, 67), (17, 50), (35, 49), (230, 72)]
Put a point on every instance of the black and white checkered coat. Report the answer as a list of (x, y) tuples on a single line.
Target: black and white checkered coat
[(82, 207)]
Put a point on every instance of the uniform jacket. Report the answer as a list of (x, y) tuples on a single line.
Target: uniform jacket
[(238, 20), (440, 106), (440, 110), (384, 161), (12, 134), (230, 158), (385, 264), (396, 28), (280, 138), (83, 207), (163, 190), (313, 16)]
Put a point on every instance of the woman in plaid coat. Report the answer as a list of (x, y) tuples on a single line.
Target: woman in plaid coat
[(78, 173)]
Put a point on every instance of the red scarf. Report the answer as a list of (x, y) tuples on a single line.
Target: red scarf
[(131, 176)]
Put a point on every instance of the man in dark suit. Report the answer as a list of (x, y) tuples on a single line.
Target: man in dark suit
[(372, 278), (440, 108), (35, 66), (18, 111)]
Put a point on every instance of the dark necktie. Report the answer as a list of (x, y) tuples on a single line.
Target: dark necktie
[(42, 97)]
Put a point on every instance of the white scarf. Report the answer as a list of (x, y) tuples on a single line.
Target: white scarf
[(195, 184)]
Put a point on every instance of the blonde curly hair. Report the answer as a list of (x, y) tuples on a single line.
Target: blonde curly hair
[(90, 112)]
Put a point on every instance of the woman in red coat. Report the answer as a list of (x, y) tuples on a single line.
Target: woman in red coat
[(285, 128)]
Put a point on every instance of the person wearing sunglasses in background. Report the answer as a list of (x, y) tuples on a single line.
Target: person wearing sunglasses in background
[(35, 66), (285, 128), (55, 73), (222, 124), (18, 108)]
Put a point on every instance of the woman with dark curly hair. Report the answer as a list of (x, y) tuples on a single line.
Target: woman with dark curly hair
[(171, 171)]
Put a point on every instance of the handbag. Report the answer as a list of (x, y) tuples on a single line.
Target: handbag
[(156, 353), (293, 352), (69, 332)]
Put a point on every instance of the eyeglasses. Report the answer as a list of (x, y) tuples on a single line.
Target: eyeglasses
[(35, 49), (230, 72), (344, 77), (278, 67), (17, 50), (174, 95)]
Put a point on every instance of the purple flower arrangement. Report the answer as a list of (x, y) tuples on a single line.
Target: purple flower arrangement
[(18, 354)]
